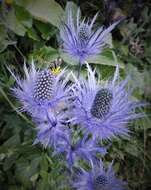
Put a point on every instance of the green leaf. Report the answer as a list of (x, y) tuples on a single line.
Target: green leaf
[(23, 172), (137, 78), (10, 161), (68, 59), (4, 42), (45, 55), (105, 58), (32, 34), (13, 141), (44, 163), (46, 10), (132, 149), (23, 16), (14, 24), (45, 29)]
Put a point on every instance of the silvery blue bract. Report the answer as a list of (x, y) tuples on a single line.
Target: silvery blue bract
[(104, 109), (80, 39), (84, 148), (44, 96), (98, 178)]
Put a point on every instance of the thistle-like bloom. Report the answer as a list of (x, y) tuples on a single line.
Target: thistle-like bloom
[(44, 96), (104, 109), (98, 178), (51, 129), (84, 148), (80, 39), (41, 90)]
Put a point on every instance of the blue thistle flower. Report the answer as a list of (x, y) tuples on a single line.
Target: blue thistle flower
[(83, 149), (44, 96), (104, 110), (98, 178), (51, 129), (79, 38), (41, 90)]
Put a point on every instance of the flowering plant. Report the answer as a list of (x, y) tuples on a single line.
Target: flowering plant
[(74, 115)]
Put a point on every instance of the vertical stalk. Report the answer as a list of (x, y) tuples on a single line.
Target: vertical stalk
[(79, 69)]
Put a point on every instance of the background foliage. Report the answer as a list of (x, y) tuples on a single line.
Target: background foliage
[(29, 29)]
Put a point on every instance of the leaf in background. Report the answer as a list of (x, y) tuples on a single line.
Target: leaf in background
[(14, 24), (45, 55), (44, 10), (68, 59), (45, 29), (105, 58), (132, 149), (139, 80), (4, 42), (12, 142), (10, 161), (33, 34), (23, 16), (23, 172)]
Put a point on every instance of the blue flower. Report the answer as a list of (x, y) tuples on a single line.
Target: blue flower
[(84, 148), (41, 90), (104, 110), (98, 178), (45, 97), (79, 38), (51, 128)]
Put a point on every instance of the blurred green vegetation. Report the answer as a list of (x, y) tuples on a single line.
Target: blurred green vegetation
[(29, 29)]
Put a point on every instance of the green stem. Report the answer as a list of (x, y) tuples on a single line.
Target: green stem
[(19, 51), (14, 108), (79, 70)]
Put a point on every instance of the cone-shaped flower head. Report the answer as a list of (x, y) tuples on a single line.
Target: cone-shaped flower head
[(80, 39), (98, 178), (104, 109)]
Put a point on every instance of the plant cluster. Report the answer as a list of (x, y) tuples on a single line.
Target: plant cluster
[(78, 120), (59, 102)]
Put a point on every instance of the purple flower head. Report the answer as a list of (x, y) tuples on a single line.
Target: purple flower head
[(104, 110), (83, 149), (41, 90), (98, 178), (80, 39), (44, 96), (51, 129)]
